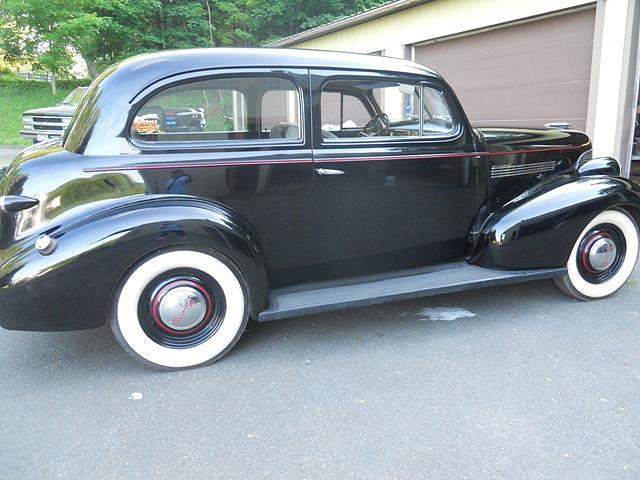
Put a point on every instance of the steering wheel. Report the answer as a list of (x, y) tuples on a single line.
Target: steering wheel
[(376, 126)]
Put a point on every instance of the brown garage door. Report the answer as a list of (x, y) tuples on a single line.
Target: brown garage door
[(522, 75)]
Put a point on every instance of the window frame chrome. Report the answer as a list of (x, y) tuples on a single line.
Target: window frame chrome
[(142, 97), (455, 134)]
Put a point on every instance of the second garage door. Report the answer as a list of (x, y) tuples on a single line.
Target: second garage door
[(521, 75)]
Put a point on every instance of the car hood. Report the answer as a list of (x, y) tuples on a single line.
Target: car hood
[(530, 137), (58, 111)]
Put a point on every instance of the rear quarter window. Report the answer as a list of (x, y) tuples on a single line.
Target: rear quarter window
[(221, 109)]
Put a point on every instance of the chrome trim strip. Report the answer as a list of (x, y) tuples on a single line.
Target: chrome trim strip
[(501, 171)]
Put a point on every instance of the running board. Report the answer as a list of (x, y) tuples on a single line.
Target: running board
[(358, 292)]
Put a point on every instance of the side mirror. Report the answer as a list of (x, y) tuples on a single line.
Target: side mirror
[(407, 89)]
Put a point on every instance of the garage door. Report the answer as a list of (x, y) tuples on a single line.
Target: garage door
[(523, 75)]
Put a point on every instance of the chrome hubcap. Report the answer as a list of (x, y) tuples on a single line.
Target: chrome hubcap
[(181, 306), (602, 253)]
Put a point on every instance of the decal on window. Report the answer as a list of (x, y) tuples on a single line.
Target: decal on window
[(146, 125)]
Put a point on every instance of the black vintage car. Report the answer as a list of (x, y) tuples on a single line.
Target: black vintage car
[(321, 181)]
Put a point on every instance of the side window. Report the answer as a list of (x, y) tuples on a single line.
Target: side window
[(342, 111), (221, 109), (437, 119), (280, 114), (357, 108)]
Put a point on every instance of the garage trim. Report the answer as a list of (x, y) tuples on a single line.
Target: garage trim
[(522, 21)]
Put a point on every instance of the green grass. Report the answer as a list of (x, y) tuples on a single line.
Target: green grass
[(14, 101)]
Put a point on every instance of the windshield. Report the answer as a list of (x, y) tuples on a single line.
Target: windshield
[(75, 96)]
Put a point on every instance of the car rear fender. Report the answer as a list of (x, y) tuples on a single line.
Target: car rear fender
[(73, 284)]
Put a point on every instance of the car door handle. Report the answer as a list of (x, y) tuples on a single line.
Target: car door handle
[(329, 171)]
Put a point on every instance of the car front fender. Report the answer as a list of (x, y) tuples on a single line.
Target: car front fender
[(539, 228), (69, 286)]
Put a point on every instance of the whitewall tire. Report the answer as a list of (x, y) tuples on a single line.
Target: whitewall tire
[(180, 308), (603, 256)]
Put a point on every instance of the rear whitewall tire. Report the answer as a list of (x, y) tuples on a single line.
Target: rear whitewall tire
[(575, 285), (127, 328)]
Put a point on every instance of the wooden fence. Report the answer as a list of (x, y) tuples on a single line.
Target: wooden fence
[(42, 77)]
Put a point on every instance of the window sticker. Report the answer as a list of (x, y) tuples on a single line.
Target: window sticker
[(146, 125)]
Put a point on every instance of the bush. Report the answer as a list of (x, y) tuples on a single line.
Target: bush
[(72, 83), (13, 82), (19, 84), (7, 71)]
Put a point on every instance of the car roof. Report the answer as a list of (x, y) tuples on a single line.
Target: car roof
[(100, 121), (170, 62)]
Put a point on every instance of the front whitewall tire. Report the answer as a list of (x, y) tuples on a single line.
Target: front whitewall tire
[(576, 285), (126, 324)]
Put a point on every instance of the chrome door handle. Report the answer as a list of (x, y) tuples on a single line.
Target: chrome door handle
[(329, 171)]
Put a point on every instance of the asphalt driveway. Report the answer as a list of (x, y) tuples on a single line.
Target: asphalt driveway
[(9, 152), (514, 382)]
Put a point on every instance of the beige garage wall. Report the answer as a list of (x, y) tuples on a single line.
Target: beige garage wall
[(523, 75), (430, 20)]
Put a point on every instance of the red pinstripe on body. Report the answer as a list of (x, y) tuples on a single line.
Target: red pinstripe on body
[(238, 163)]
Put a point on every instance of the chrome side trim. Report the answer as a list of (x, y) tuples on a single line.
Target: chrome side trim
[(501, 171)]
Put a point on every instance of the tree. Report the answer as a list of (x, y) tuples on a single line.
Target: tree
[(48, 32), (43, 33), (130, 27), (258, 22)]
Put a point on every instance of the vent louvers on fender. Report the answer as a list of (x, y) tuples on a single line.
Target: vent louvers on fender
[(584, 158), (500, 171)]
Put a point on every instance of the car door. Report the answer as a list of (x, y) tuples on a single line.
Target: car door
[(402, 198), (247, 149)]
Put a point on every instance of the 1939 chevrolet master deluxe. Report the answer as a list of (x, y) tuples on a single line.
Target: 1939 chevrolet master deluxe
[(197, 189)]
